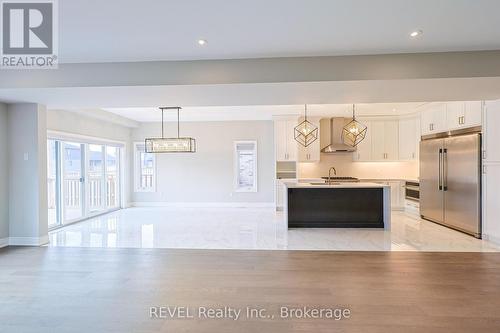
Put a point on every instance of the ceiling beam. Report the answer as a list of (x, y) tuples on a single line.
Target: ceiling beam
[(255, 71)]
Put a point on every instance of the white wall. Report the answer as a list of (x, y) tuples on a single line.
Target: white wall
[(368, 170), (4, 177), (207, 175), (76, 123), (27, 155)]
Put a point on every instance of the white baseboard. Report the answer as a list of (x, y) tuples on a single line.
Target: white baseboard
[(205, 204), (493, 239), (4, 242), (28, 241)]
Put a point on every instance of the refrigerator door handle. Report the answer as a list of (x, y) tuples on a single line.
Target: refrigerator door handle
[(445, 169), (440, 177)]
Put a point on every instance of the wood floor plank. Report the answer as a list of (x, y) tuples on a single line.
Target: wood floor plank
[(112, 290)]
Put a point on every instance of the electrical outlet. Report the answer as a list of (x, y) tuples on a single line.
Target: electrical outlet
[(26, 156)]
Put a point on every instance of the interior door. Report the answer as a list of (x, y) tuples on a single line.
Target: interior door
[(462, 182), (431, 195)]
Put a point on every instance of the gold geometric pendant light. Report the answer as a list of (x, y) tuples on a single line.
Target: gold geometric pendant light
[(354, 132), (306, 132)]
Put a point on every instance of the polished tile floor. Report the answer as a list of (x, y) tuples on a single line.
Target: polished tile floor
[(263, 229)]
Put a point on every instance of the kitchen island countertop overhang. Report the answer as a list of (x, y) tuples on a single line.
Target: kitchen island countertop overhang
[(337, 205)]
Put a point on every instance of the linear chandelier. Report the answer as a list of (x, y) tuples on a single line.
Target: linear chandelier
[(170, 145)]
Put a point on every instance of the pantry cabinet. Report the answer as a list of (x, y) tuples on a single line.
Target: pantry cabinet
[(491, 132), (285, 144)]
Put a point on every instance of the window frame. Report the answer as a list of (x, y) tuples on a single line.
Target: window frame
[(137, 169), (236, 174)]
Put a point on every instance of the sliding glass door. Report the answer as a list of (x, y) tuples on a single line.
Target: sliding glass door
[(95, 178), (83, 180), (112, 179), (72, 159), (53, 183)]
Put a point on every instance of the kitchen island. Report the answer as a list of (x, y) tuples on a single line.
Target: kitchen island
[(338, 205)]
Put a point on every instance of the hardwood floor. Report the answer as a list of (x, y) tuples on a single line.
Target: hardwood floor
[(112, 290)]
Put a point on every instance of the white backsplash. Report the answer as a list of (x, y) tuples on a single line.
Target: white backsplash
[(346, 167)]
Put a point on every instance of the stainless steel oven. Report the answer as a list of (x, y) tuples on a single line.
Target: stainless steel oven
[(412, 191)]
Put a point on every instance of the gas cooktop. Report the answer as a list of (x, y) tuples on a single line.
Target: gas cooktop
[(342, 179)]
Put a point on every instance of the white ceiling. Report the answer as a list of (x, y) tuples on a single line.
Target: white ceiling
[(263, 112), (115, 30)]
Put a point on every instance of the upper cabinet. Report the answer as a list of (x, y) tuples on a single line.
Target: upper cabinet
[(381, 141), (433, 119), (312, 152), (385, 146), (364, 148), (442, 117), (409, 138), (286, 146), (464, 114)]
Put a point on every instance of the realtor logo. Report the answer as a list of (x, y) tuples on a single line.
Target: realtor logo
[(29, 34)]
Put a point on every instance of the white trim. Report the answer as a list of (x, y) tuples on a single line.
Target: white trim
[(67, 136), (205, 204), (492, 239), (4, 242), (28, 241)]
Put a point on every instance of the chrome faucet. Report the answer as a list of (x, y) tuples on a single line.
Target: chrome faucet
[(330, 174)]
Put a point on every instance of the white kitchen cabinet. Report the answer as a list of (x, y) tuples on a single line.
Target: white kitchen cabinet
[(279, 195), (491, 132), (312, 152), (364, 148), (397, 201), (384, 140), (463, 114), (286, 146), (409, 137), (491, 195), (473, 113), (397, 192), (433, 119)]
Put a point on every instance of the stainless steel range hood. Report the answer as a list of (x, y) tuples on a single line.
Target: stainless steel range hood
[(331, 135)]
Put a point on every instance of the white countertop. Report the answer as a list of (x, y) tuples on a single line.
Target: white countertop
[(294, 184)]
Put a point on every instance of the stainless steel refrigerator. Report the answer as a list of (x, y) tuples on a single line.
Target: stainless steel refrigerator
[(450, 182)]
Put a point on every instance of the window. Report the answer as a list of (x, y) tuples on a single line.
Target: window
[(145, 169), (245, 153)]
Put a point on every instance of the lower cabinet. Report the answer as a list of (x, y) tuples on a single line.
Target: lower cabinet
[(397, 193), (280, 189)]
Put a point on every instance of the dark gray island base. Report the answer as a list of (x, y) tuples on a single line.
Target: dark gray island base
[(337, 206)]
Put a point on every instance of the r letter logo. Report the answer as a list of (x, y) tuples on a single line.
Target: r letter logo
[(29, 34)]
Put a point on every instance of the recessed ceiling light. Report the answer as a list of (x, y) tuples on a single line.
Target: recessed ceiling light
[(202, 42), (416, 33)]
